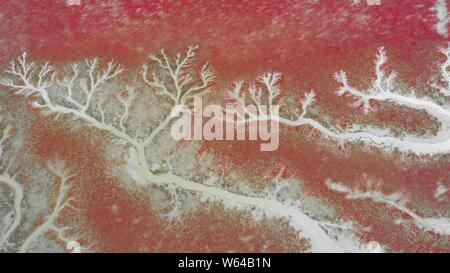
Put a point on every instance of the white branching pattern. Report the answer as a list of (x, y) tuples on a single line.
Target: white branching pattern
[(174, 78), (382, 89), (11, 182), (85, 96), (265, 94), (396, 201), (63, 200), (12, 227)]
